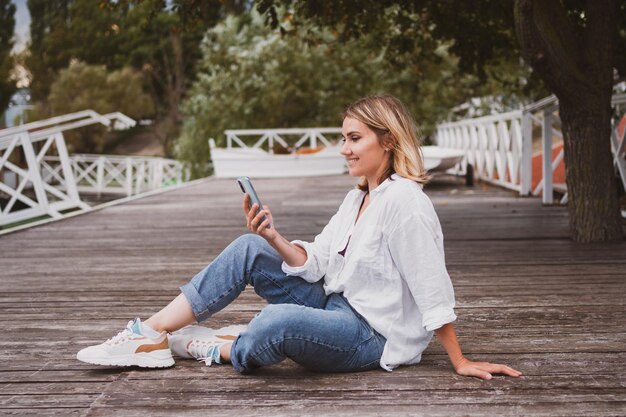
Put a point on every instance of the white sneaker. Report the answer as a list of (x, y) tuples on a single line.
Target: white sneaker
[(202, 343), (130, 347)]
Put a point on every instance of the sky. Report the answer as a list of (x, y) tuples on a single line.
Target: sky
[(22, 25)]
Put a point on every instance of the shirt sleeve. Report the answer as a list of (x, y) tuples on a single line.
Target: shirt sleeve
[(417, 250), (317, 252)]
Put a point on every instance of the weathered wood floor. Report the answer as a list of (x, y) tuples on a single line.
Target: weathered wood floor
[(526, 296)]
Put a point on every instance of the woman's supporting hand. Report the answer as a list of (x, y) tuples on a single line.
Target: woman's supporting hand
[(483, 370), (255, 222), (462, 365)]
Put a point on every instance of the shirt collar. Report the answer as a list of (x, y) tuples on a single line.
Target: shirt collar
[(384, 184)]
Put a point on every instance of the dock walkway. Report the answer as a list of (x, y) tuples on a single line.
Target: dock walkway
[(526, 296)]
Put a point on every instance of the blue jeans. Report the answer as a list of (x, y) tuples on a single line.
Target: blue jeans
[(321, 333)]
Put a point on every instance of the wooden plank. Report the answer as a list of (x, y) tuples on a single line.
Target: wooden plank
[(526, 296), (294, 409)]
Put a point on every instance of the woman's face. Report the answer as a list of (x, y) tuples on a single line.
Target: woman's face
[(361, 148)]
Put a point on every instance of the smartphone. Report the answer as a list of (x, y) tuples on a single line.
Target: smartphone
[(246, 186)]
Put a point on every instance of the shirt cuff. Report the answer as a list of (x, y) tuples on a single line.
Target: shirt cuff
[(438, 318), (298, 270)]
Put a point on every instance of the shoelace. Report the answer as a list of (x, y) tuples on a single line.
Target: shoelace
[(121, 336), (205, 351)]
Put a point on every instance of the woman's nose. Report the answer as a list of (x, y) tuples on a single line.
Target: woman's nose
[(345, 149)]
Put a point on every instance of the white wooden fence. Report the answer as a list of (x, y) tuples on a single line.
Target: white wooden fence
[(311, 135), (618, 142), (494, 147), (112, 174), (39, 179), (499, 147)]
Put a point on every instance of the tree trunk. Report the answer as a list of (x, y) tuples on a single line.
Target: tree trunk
[(576, 63), (592, 190)]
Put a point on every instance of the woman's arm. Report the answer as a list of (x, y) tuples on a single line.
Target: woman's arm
[(292, 254), (462, 365)]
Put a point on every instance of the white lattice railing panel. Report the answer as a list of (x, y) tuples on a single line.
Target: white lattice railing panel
[(121, 174), (39, 179), (25, 194), (493, 146), (499, 147), (268, 137)]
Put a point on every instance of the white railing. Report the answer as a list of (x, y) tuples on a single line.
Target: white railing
[(494, 146), (618, 141), (303, 135), (129, 175), (499, 147), (39, 179), (27, 195)]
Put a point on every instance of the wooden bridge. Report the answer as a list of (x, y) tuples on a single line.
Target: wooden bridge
[(526, 296)]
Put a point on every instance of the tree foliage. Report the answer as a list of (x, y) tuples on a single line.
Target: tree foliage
[(156, 37), (82, 86), (481, 30), (251, 76), (574, 46), (7, 24)]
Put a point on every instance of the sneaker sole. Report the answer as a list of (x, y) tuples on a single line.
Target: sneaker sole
[(142, 360)]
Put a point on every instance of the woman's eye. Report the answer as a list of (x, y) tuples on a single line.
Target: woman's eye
[(354, 139)]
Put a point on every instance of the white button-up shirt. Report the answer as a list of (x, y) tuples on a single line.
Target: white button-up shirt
[(393, 272)]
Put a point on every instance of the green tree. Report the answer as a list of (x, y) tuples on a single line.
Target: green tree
[(47, 48), (162, 39), (83, 86), (250, 76), (7, 24), (571, 46), (156, 37), (158, 45), (573, 51), (63, 30)]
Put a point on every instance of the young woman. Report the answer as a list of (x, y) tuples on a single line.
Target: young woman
[(367, 293)]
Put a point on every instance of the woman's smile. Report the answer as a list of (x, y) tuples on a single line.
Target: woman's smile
[(352, 161), (363, 152)]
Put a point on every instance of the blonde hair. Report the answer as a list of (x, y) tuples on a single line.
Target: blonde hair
[(396, 130)]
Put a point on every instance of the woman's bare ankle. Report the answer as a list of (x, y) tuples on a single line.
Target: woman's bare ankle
[(155, 325)]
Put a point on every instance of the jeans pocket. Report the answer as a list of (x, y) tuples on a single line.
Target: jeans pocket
[(368, 354)]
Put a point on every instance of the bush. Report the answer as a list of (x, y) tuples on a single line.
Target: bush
[(81, 87), (250, 76)]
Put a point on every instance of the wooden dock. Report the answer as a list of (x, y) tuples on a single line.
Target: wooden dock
[(526, 296)]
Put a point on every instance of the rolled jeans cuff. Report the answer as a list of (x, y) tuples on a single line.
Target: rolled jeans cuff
[(234, 360), (198, 306)]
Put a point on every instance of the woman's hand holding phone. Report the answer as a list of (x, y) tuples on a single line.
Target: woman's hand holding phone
[(261, 222), (255, 222)]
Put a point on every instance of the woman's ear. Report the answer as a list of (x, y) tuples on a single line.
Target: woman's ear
[(388, 142)]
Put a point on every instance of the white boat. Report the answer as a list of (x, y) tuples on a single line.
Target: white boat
[(255, 162), (438, 159)]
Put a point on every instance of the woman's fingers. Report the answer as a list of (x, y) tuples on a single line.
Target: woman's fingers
[(497, 368), (268, 213), (263, 226), (259, 224), (503, 369), (482, 374), (485, 370), (476, 371), (258, 217), (255, 217)]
